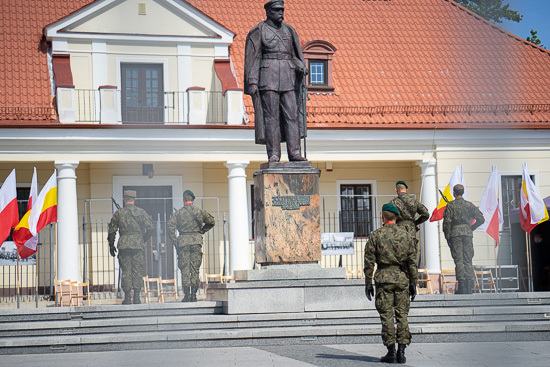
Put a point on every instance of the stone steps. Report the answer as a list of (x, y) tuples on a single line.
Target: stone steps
[(433, 318)]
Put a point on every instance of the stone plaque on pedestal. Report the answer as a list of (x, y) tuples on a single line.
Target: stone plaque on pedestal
[(287, 213)]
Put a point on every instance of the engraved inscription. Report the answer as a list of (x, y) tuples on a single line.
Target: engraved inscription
[(291, 202)]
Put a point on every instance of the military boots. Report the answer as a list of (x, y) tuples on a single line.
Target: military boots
[(127, 298), (401, 353), (137, 301), (186, 295), (194, 294), (390, 356)]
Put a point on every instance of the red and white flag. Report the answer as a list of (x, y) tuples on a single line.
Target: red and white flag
[(490, 207), (532, 208), (24, 240), (456, 178), (9, 213)]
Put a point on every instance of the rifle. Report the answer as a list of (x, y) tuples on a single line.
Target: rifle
[(444, 197), (114, 202)]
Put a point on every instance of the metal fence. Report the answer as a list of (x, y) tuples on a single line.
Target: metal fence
[(167, 107), (28, 279)]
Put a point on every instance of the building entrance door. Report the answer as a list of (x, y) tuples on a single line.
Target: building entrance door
[(159, 253)]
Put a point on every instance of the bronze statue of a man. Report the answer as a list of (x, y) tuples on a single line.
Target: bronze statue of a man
[(274, 70)]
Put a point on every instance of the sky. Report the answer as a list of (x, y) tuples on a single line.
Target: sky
[(536, 15)]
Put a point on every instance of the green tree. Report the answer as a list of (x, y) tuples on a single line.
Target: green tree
[(534, 38), (492, 10)]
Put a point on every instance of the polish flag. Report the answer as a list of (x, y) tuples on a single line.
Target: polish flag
[(9, 213), (22, 236), (532, 208), (456, 178), (490, 208)]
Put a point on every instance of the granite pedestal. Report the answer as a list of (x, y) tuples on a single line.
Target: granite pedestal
[(289, 288), (287, 213), (288, 247)]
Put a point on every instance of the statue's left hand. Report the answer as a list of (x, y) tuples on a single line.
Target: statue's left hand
[(305, 71)]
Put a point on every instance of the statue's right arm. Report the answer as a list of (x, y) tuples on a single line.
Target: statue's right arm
[(252, 58)]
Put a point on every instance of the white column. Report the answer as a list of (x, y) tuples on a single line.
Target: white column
[(239, 249), (432, 257), (68, 259)]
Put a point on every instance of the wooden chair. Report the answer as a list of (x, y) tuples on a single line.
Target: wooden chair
[(213, 277), (351, 274), (151, 285), (77, 293), (425, 280), (63, 291), (445, 281), (228, 279), (167, 287), (484, 277)]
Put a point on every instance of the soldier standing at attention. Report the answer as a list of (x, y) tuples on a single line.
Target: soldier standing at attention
[(392, 249), (131, 222), (458, 228), (408, 207), (191, 222)]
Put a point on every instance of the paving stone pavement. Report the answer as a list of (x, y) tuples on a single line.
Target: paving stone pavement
[(504, 354)]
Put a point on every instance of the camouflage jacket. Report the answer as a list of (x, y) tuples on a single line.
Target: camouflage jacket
[(458, 217), (134, 226), (190, 233), (408, 207), (393, 250)]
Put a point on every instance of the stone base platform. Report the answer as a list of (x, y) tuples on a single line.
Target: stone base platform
[(289, 288)]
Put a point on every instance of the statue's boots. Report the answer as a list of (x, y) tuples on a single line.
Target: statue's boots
[(390, 356), (127, 298), (137, 301), (470, 287), (401, 353), (186, 295), (461, 288), (194, 294)]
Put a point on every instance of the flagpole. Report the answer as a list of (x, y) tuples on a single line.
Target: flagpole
[(17, 278), (528, 254), (36, 278)]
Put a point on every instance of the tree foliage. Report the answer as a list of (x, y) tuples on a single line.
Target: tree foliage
[(534, 38), (492, 10)]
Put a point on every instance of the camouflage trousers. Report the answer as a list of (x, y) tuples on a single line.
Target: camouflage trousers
[(393, 302), (411, 231), (189, 262), (462, 251), (132, 264)]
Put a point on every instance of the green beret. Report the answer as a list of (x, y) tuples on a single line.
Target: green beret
[(401, 183), (389, 207), (190, 193)]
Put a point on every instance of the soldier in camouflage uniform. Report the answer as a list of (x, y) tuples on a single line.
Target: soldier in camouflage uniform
[(458, 228), (135, 228), (191, 222), (408, 207), (392, 249)]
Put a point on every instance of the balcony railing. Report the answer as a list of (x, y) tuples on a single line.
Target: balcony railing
[(113, 106)]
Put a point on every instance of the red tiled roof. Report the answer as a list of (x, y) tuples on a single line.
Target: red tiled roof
[(398, 62), (407, 62), (25, 91)]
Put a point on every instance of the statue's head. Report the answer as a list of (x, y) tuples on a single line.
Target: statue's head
[(274, 10)]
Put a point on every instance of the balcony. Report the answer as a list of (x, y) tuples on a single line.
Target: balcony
[(109, 105)]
